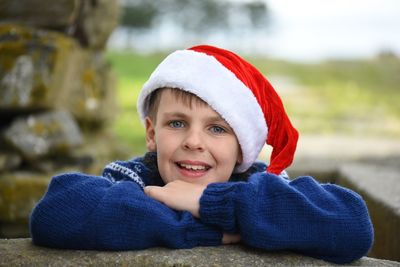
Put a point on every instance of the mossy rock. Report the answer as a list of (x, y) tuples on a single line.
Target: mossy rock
[(57, 14), (43, 70), (36, 67), (93, 100), (19, 192), (44, 134), (89, 22), (9, 161)]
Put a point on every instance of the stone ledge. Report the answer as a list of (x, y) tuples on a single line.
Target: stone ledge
[(21, 252), (380, 187)]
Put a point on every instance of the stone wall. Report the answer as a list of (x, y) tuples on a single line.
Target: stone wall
[(57, 96), (21, 252)]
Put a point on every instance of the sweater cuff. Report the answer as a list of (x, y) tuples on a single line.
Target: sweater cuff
[(200, 234), (217, 206)]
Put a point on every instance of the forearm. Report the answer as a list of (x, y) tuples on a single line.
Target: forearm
[(88, 212), (324, 221)]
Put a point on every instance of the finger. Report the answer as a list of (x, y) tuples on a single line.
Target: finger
[(155, 192)]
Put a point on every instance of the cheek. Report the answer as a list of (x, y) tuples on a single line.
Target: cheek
[(165, 152), (230, 153), (165, 147), (163, 168), (227, 155)]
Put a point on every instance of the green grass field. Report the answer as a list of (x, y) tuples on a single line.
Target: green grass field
[(345, 97)]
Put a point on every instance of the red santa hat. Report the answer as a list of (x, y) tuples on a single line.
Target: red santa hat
[(238, 92)]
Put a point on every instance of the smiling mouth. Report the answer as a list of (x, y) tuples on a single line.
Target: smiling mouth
[(193, 167)]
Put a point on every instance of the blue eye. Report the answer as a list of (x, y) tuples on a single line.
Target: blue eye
[(176, 124), (217, 130)]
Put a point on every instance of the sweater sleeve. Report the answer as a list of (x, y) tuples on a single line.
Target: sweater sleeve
[(324, 221), (82, 211)]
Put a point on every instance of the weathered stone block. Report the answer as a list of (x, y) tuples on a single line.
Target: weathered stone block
[(96, 22), (43, 70), (379, 185), (92, 99), (36, 67), (14, 229), (90, 22), (19, 193), (323, 169), (44, 134), (40, 13), (20, 190), (21, 252), (9, 161)]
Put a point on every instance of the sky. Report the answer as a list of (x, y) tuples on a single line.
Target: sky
[(319, 29), (302, 30)]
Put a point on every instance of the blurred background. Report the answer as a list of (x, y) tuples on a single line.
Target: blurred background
[(335, 64), (71, 71)]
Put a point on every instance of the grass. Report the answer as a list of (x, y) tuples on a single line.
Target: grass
[(132, 70), (346, 97), (350, 97)]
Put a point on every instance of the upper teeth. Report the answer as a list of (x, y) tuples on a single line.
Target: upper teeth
[(193, 167)]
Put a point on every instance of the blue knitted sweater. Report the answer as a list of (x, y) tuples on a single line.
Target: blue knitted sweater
[(111, 212)]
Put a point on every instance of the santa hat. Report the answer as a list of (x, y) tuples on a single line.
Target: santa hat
[(238, 92)]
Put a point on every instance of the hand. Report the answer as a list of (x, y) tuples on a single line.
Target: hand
[(230, 238), (178, 195)]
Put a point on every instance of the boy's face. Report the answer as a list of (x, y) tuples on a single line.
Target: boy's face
[(193, 144)]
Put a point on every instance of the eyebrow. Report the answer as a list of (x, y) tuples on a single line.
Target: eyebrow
[(184, 116), (217, 119), (175, 114)]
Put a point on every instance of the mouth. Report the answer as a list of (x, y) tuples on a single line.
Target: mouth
[(192, 168)]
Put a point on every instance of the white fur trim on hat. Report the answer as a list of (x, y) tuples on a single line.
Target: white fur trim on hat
[(206, 77)]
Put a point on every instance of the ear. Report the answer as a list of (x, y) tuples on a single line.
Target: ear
[(150, 135), (239, 158)]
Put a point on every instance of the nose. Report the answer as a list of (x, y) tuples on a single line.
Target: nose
[(193, 141)]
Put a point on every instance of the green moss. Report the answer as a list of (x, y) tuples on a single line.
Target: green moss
[(19, 193), (46, 49)]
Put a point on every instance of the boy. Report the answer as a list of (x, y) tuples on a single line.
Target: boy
[(207, 114)]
